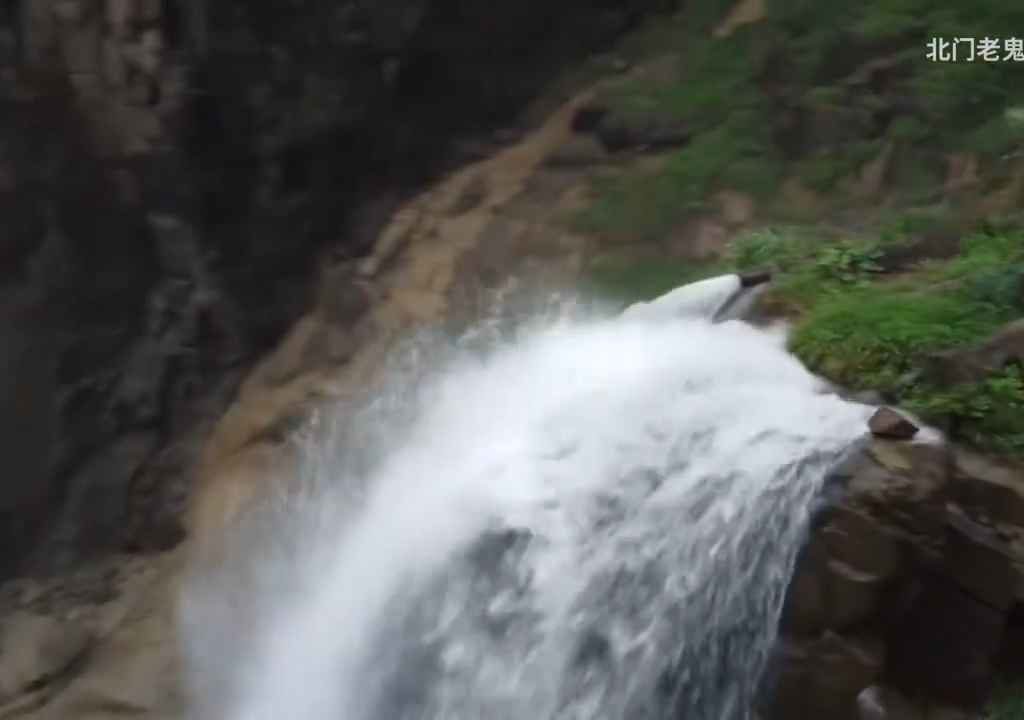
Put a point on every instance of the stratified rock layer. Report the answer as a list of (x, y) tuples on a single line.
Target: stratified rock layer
[(921, 562)]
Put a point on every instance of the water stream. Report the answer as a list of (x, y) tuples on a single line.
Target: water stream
[(594, 520)]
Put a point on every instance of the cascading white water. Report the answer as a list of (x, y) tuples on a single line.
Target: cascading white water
[(597, 520)]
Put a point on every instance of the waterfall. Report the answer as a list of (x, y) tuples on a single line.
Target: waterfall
[(595, 519)]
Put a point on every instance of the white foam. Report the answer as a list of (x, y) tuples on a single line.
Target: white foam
[(554, 436)]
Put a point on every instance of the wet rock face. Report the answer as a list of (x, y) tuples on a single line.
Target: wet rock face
[(171, 172), (921, 562)]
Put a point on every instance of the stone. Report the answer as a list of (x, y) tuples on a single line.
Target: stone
[(902, 486), (860, 542), (804, 612), (96, 511), (841, 667), (471, 196), (979, 562), (944, 644), (887, 423), (343, 300), (37, 649), (853, 595), (970, 365), (579, 151), (988, 489), (135, 670)]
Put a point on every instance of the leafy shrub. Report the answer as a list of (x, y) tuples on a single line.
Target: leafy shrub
[(988, 414), (849, 264)]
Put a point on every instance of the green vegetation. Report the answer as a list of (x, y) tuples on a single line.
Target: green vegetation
[(879, 333), (646, 207), (867, 329), (813, 91)]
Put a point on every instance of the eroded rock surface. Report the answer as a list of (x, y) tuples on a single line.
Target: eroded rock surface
[(920, 561)]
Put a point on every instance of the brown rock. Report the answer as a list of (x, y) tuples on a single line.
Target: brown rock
[(853, 595), (837, 669), (861, 542), (135, 670), (979, 562), (34, 650), (987, 489), (804, 612), (970, 365), (887, 423), (343, 299), (903, 486), (471, 197), (578, 151), (944, 645)]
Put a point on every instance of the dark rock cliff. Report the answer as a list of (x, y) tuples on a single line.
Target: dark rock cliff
[(171, 172)]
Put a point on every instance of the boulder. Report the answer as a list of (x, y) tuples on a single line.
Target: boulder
[(805, 612), (988, 489), (860, 542), (853, 595), (823, 677), (943, 647), (979, 562), (970, 365), (889, 424)]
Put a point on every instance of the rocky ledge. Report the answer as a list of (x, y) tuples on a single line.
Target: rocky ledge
[(909, 596)]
